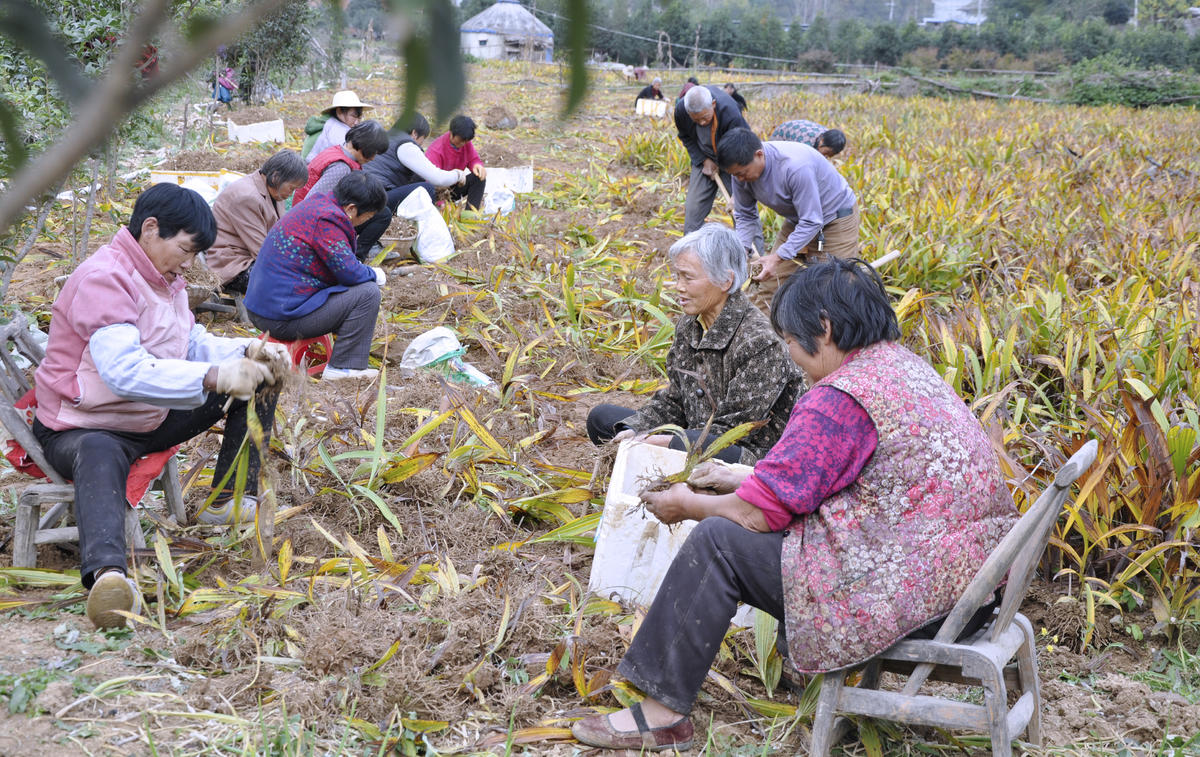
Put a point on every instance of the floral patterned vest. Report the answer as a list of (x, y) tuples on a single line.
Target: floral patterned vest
[(895, 549)]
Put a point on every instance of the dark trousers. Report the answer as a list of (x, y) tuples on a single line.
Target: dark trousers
[(373, 230), (240, 282), (472, 190), (606, 421), (718, 566), (98, 463), (350, 316)]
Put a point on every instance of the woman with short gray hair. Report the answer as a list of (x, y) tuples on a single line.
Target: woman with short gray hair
[(246, 210), (725, 363)]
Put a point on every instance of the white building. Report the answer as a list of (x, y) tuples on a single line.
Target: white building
[(965, 12), (507, 31)]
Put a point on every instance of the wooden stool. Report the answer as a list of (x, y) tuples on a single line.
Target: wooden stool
[(315, 352), (33, 528), (17, 405)]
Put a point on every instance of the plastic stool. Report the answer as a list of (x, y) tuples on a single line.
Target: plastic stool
[(315, 352)]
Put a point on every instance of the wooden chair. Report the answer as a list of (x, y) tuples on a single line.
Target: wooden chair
[(32, 527), (981, 659)]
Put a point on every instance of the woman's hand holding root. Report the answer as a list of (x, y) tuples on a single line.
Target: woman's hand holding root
[(716, 477)]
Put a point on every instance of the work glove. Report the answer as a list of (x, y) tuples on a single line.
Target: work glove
[(462, 175), (273, 355), (239, 377), (380, 276)]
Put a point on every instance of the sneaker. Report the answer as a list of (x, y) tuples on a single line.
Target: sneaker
[(391, 256), (224, 513), (111, 592), (338, 374)]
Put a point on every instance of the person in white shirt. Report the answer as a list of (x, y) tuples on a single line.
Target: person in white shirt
[(345, 111), (403, 169), (128, 371)]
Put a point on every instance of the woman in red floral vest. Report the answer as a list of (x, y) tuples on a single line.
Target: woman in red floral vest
[(863, 524)]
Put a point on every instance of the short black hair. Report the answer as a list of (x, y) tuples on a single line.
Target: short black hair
[(462, 127), (282, 167), (694, 80), (849, 294), (176, 209), (368, 137), (737, 148), (362, 188), (834, 139), (414, 123)]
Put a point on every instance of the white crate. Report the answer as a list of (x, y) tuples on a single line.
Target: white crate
[(633, 549), (653, 108), (263, 131)]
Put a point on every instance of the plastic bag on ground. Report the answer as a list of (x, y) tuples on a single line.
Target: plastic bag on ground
[(439, 349), (501, 201), (433, 242)]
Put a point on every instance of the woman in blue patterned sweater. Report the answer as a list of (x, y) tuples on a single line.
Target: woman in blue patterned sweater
[(307, 281)]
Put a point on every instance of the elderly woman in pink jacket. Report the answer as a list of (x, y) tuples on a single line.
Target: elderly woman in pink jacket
[(128, 372)]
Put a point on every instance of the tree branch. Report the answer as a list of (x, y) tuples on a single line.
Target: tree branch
[(118, 94)]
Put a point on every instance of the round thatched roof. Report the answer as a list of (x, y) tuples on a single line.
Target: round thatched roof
[(507, 17)]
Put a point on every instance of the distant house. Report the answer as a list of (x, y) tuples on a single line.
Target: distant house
[(509, 32), (962, 12)]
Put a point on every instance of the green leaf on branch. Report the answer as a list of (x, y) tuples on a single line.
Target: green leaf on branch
[(449, 79), (199, 24), (17, 153), (26, 26), (577, 39)]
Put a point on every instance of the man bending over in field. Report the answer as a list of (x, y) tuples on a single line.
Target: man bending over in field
[(819, 211)]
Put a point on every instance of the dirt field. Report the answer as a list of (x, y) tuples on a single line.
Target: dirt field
[(439, 626)]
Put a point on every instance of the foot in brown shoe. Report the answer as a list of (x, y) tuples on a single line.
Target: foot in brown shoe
[(598, 731), (111, 592)]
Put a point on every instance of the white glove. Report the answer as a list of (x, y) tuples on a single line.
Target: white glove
[(463, 174), (239, 377), (380, 276), (273, 355)]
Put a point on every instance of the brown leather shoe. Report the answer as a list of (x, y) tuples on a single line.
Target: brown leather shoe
[(598, 731)]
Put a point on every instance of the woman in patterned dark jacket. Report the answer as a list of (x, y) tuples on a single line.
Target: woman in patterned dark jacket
[(865, 523), (725, 363)]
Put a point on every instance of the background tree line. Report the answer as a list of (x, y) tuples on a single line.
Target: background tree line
[(1045, 35)]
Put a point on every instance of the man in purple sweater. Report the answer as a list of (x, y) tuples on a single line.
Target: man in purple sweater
[(819, 210)]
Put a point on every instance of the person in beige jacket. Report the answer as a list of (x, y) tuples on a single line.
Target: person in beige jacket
[(246, 210)]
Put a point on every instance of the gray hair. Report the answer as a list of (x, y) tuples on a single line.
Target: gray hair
[(697, 99), (282, 167), (720, 253), (656, 81)]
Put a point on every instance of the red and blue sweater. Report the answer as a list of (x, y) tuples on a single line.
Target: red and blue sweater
[(307, 256)]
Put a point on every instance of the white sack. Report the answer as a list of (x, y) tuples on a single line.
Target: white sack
[(433, 242)]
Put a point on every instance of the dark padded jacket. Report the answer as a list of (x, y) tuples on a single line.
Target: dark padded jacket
[(388, 167), (727, 116)]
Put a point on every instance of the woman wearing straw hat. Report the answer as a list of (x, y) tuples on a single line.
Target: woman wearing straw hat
[(331, 126)]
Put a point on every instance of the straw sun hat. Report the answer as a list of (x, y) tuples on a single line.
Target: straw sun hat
[(346, 99)]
